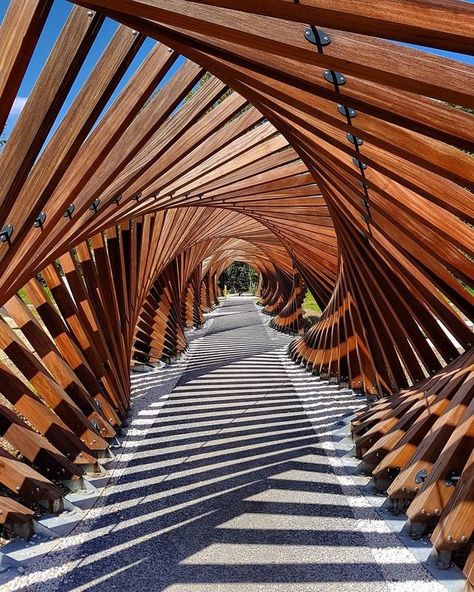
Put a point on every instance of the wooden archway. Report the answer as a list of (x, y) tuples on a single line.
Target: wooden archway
[(337, 157)]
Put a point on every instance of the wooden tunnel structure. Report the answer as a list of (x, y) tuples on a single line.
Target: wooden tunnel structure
[(306, 138)]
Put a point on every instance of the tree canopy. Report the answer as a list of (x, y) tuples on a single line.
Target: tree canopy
[(239, 278)]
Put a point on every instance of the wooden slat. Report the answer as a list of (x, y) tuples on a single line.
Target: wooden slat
[(19, 32)]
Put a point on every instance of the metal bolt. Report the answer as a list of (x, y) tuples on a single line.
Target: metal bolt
[(6, 233), (90, 13)]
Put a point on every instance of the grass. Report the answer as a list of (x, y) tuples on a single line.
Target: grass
[(23, 295), (310, 304), (469, 289)]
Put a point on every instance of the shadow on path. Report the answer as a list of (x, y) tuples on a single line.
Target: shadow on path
[(228, 486)]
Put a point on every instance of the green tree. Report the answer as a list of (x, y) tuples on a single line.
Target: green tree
[(207, 76), (239, 278)]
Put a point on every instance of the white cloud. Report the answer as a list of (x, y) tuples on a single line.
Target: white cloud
[(18, 105)]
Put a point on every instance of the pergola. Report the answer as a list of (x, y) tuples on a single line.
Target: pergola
[(305, 138)]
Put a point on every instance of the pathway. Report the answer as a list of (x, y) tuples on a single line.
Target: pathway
[(229, 483)]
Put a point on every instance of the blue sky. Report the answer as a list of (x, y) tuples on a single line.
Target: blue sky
[(55, 22)]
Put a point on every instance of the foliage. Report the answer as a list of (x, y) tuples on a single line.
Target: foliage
[(466, 110), (207, 76), (239, 278), (2, 140), (310, 304), (468, 288)]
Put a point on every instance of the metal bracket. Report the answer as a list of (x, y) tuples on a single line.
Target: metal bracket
[(335, 78), (362, 184), (359, 163), (95, 205), (40, 220), (347, 111), (137, 196), (421, 476), (367, 220), (69, 212), (317, 36), (451, 479), (364, 202), (355, 140), (117, 199), (6, 233)]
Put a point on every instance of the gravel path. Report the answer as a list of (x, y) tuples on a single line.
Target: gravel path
[(229, 483)]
